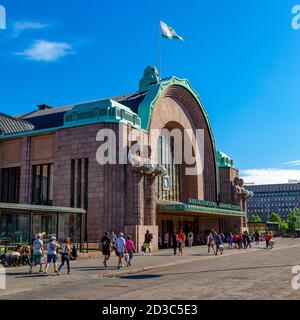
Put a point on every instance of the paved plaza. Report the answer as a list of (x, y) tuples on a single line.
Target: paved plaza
[(256, 273)]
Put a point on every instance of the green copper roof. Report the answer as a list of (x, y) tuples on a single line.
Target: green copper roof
[(224, 161), (100, 111)]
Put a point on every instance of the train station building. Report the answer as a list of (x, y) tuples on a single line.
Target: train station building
[(83, 169)]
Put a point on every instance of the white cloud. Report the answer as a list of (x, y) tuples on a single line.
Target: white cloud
[(293, 163), (21, 26), (42, 50), (269, 175)]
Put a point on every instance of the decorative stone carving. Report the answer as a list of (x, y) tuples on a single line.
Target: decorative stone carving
[(240, 195)]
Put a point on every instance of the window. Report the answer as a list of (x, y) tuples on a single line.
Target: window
[(42, 184), (166, 157), (10, 185), (79, 183)]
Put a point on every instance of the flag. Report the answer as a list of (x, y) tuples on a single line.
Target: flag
[(169, 32)]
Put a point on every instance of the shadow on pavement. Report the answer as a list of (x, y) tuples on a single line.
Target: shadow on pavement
[(140, 276)]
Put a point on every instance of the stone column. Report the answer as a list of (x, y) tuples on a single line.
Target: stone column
[(150, 201), (135, 198)]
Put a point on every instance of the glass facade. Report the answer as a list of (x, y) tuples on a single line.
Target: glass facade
[(18, 226), (14, 227), (69, 226), (168, 188)]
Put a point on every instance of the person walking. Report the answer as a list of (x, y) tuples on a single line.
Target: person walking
[(37, 253), (256, 237), (147, 242), (130, 249), (240, 240), (105, 247), (247, 240), (268, 238), (229, 240), (66, 255), (190, 237), (218, 241), (52, 247), (181, 242), (210, 243), (175, 240), (113, 240), (121, 249)]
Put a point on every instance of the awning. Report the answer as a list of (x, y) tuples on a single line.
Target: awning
[(34, 208), (180, 207)]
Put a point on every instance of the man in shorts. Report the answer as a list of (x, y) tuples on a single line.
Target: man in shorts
[(37, 253), (121, 249), (52, 254)]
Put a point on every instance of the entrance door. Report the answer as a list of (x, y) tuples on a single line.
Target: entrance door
[(167, 226)]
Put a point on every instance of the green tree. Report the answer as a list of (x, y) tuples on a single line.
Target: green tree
[(283, 227), (255, 218), (293, 220), (274, 217)]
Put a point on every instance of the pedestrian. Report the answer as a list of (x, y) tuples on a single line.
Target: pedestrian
[(181, 241), (121, 249), (105, 246), (229, 240), (268, 239), (160, 244), (190, 237), (247, 240), (219, 243), (66, 255), (147, 243), (240, 240), (210, 243), (256, 236), (113, 240), (222, 236), (37, 253), (130, 249), (175, 240), (52, 247)]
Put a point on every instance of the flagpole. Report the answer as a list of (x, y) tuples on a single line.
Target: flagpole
[(159, 50)]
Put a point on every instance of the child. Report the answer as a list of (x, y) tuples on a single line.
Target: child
[(130, 248)]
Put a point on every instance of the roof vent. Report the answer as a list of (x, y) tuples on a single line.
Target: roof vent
[(44, 107), (151, 76)]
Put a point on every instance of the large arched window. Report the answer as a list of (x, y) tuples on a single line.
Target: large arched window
[(168, 187)]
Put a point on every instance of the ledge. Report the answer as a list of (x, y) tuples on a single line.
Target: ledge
[(29, 207)]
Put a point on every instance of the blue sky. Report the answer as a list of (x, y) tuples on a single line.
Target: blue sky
[(241, 56)]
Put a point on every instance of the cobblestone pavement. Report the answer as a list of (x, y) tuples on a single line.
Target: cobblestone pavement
[(256, 273)]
